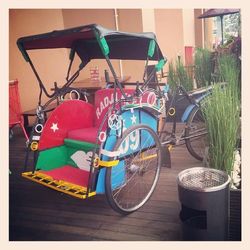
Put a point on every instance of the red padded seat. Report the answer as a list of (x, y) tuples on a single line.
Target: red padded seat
[(84, 134), (104, 98), (69, 174)]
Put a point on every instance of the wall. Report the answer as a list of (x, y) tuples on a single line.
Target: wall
[(198, 29), (169, 30), (188, 27), (148, 20), (208, 33), (29, 22), (130, 20)]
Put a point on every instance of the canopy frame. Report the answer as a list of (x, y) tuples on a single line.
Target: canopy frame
[(94, 42)]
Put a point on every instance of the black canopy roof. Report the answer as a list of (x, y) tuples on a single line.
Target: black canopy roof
[(84, 40)]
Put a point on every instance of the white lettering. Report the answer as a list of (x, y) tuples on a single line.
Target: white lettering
[(135, 139), (98, 113), (131, 142), (101, 106), (106, 101)]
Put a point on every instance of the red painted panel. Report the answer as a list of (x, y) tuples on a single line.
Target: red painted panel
[(104, 98), (85, 134), (70, 115)]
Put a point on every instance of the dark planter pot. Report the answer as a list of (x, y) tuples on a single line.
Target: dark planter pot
[(235, 215), (204, 197)]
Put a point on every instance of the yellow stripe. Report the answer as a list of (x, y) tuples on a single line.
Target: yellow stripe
[(149, 157), (108, 163), (144, 158)]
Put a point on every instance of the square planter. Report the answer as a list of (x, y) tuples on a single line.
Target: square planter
[(235, 215)]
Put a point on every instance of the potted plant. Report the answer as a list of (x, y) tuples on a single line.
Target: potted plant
[(222, 118), (204, 191)]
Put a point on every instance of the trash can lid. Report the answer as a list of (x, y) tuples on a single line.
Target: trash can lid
[(203, 179)]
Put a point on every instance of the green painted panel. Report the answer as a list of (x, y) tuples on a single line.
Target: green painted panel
[(160, 65), (59, 156), (151, 48), (74, 145), (52, 158), (103, 44), (85, 146)]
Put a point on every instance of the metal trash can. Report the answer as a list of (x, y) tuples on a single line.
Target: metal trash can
[(204, 196)]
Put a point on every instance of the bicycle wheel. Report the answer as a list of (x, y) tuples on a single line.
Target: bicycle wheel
[(196, 134), (131, 183)]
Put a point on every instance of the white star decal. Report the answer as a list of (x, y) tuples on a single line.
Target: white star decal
[(54, 127), (133, 118)]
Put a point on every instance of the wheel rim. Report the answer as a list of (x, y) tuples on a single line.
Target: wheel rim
[(135, 178)]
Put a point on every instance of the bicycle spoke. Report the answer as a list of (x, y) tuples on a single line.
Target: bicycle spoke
[(134, 179)]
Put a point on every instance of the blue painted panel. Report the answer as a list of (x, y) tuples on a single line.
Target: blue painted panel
[(190, 107), (187, 112), (133, 144)]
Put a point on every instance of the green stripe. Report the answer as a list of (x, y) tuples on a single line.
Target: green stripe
[(160, 65), (85, 146), (151, 48), (102, 43)]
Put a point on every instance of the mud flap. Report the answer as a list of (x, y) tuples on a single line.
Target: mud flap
[(165, 156)]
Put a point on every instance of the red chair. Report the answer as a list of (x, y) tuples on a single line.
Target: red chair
[(15, 111)]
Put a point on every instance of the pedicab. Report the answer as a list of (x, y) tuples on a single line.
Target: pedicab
[(109, 147)]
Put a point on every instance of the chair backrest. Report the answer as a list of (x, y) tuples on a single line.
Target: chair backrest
[(104, 98), (15, 111)]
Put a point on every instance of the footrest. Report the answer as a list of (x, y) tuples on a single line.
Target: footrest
[(59, 185)]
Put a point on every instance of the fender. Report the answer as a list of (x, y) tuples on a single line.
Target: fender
[(190, 107)]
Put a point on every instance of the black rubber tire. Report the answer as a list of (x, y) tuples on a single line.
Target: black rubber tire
[(132, 175), (197, 145)]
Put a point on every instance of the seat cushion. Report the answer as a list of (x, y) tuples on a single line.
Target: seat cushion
[(70, 115), (69, 174), (84, 134)]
